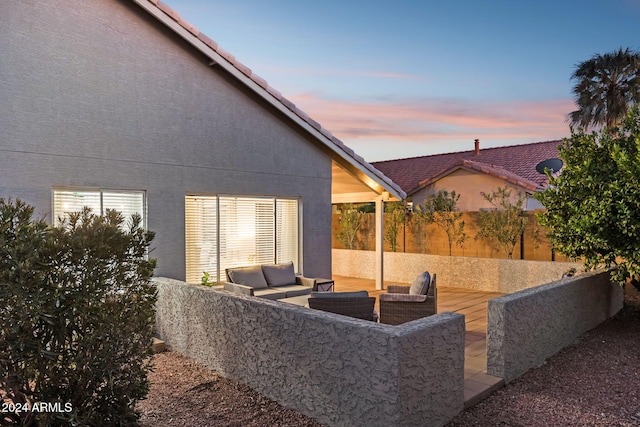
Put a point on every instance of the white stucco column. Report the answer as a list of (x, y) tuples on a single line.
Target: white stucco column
[(380, 239)]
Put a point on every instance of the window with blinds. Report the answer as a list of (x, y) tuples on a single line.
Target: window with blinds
[(234, 231), (66, 201)]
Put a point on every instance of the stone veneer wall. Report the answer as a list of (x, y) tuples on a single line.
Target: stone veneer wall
[(484, 274), (527, 327), (337, 370)]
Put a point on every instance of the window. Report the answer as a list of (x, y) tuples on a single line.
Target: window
[(233, 231), (66, 201)]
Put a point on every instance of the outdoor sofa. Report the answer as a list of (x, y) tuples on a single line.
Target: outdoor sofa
[(270, 281), (403, 304)]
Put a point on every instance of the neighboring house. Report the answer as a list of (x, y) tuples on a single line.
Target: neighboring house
[(121, 104), (471, 173)]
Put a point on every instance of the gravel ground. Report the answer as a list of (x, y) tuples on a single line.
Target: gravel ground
[(595, 382)]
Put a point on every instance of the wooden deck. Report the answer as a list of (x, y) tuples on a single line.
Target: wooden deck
[(473, 304)]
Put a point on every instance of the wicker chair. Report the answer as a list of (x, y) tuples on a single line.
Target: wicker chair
[(353, 304), (399, 306)]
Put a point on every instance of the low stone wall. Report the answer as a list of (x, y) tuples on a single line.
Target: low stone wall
[(527, 327), (337, 370), (484, 274)]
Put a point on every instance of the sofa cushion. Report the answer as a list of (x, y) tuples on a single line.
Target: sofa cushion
[(420, 285), (358, 294), (270, 293), (249, 276), (279, 274), (293, 290)]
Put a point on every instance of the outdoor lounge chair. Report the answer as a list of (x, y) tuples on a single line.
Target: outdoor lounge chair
[(406, 303), (353, 304)]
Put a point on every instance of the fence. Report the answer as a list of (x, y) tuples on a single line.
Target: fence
[(527, 327), (482, 274)]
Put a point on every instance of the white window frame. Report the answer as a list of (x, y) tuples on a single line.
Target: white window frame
[(214, 243), (96, 201)]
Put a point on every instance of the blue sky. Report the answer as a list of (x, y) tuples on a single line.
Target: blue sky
[(410, 77)]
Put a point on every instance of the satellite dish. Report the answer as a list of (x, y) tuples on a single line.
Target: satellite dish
[(554, 165)]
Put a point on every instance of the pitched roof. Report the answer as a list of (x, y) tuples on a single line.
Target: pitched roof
[(515, 164), (348, 158)]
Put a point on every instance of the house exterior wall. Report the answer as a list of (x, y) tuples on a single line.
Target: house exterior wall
[(99, 94), (469, 185)]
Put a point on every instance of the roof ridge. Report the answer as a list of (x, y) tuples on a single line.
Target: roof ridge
[(470, 151)]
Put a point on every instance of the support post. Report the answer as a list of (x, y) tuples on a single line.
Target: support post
[(380, 240)]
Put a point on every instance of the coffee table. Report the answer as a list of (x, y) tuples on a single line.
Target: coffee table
[(300, 300)]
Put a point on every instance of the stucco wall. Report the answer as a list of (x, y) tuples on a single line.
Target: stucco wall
[(338, 370), (484, 274), (98, 94), (470, 185), (527, 327)]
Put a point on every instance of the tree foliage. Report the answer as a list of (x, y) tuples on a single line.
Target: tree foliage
[(395, 218), (593, 207), (606, 87), (77, 315), (441, 209), (504, 225), (351, 220)]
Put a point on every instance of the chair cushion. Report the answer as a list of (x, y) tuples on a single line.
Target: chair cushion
[(279, 274), (358, 294), (403, 298), (249, 276), (420, 285)]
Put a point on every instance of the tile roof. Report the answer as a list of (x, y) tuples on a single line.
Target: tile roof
[(515, 164), (323, 134)]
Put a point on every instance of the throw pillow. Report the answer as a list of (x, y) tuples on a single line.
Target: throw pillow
[(279, 274), (249, 276), (420, 285)]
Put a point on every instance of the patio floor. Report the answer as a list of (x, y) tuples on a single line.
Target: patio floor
[(473, 304)]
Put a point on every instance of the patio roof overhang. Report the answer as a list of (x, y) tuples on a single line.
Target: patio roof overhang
[(354, 186)]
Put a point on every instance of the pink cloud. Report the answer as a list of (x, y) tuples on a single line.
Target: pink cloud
[(428, 120)]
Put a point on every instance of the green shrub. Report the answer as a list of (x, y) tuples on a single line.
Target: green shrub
[(77, 314)]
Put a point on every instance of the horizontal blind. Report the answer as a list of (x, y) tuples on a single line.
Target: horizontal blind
[(201, 236), (66, 201), (69, 201), (234, 231), (127, 203), (246, 231), (287, 231)]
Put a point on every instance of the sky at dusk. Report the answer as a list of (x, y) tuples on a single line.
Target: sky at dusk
[(407, 78)]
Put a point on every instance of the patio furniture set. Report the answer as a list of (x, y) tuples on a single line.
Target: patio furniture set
[(280, 283)]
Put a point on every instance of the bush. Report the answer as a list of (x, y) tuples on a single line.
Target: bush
[(593, 206), (77, 314)]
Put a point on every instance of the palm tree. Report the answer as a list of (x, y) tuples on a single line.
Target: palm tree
[(606, 86)]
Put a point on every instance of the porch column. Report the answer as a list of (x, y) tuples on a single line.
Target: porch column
[(380, 240)]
